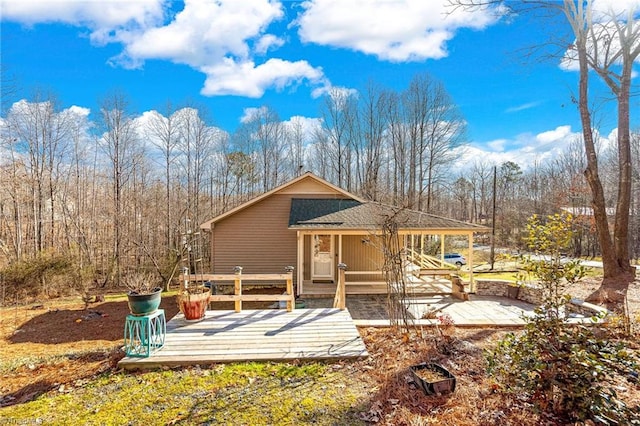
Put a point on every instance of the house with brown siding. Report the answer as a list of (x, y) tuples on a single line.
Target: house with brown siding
[(314, 225)]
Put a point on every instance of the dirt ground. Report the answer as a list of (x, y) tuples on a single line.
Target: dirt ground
[(57, 345)]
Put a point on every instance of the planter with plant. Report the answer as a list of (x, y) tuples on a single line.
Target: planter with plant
[(144, 295), (193, 298)]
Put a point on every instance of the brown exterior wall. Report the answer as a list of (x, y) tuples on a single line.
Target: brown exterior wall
[(362, 257), (257, 237)]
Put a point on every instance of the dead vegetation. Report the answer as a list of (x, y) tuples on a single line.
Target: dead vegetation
[(60, 348)]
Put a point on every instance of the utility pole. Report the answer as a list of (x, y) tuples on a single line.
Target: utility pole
[(492, 255)]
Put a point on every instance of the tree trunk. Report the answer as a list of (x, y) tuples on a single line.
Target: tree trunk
[(612, 291)]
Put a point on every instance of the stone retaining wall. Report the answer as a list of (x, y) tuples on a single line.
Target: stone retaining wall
[(503, 288), (486, 287), (532, 293)]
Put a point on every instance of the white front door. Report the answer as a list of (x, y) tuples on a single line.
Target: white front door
[(322, 255)]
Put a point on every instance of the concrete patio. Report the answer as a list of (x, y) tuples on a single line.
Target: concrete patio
[(478, 311)]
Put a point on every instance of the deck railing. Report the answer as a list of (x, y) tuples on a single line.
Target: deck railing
[(254, 279)]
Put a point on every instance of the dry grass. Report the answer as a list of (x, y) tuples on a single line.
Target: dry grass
[(47, 354)]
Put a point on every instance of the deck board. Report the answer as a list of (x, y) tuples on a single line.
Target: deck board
[(256, 335)]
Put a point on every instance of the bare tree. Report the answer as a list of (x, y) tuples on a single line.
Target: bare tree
[(162, 131), (608, 43), (336, 121), (268, 132), (372, 120), (481, 181), (119, 142), (434, 128), (398, 140), (297, 141), (196, 144), (40, 131), (594, 49)]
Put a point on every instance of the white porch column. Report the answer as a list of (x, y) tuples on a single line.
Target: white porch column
[(300, 262)]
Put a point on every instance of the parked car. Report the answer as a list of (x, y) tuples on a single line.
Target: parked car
[(455, 258)]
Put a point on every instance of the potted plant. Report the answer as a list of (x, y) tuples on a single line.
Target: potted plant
[(144, 294), (193, 300)]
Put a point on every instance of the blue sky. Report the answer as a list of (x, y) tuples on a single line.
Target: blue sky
[(235, 55)]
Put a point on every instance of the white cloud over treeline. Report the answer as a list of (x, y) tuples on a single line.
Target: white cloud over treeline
[(234, 43)]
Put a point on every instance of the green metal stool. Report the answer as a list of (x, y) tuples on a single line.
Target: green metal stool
[(144, 334)]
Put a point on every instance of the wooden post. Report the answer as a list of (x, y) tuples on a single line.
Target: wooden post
[(237, 287), (185, 278), (291, 301), (340, 300), (472, 283)]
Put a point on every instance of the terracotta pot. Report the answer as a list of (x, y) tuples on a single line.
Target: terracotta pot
[(193, 303)]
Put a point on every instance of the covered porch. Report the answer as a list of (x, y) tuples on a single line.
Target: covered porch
[(320, 253), (353, 237)]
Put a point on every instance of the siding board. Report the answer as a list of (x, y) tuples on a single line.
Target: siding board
[(257, 237)]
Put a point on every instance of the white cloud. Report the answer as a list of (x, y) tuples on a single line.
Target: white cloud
[(108, 20), (219, 38), (249, 114), (557, 134), (204, 32), (336, 92), (525, 149), (246, 79), (397, 30), (497, 145), (268, 42), (80, 111), (306, 126), (523, 107)]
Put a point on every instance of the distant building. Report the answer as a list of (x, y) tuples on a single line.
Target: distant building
[(586, 211)]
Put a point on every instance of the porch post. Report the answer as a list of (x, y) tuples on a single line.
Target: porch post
[(472, 283), (237, 287), (340, 299), (441, 249), (300, 263)]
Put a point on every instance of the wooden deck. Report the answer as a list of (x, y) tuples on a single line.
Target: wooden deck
[(256, 335)]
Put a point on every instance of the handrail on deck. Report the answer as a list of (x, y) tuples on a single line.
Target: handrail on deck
[(256, 279), (424, 261)]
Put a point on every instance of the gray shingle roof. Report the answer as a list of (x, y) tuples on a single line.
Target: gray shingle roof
[(304, 209), (372, 215)]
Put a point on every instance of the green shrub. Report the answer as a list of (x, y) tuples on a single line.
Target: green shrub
[(568, 369)]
